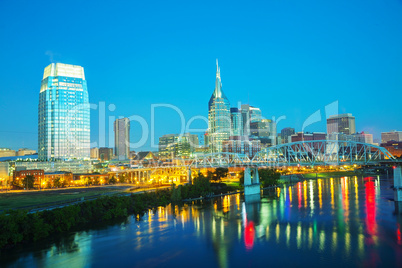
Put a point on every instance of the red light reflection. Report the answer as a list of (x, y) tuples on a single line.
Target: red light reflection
[(249, 234), (370, 210)]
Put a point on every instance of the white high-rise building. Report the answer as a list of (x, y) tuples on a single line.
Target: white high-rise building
[(63, 114)]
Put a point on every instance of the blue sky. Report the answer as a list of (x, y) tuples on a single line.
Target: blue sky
[(288, 57)]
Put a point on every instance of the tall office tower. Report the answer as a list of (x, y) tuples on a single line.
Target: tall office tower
[(63, 114), (237, 122), (255, 114), (286, 133), (122, 138), (272, 130), (391, 136), (250, 115), (245, 113), (219, 121), (341, 123)]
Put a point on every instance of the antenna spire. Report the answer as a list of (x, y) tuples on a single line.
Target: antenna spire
[(218, 70)]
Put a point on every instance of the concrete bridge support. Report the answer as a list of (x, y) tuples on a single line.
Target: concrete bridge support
[(251, 182), (397, 184), (189, 180)]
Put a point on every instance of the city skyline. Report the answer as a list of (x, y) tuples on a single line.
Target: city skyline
[(357, 63)]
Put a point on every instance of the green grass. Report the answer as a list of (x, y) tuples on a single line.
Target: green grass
[(15, 200), (329, 174), (234, 184)]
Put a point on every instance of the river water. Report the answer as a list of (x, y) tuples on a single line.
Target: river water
[(349, 221)]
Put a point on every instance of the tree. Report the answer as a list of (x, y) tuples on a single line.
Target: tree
[(64, 183), (220, 173), (268, 176), (16, 183), (122, 178), (57, 182), (241, 179), (112, 180), (48, 184), (28, 182), (210, 175)]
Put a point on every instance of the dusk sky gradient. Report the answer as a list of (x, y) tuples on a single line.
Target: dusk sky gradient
[(288, 57)]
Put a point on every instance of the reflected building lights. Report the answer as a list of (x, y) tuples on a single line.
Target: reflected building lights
[(298, 236), (320, 192), (290, 194), (334, 240), (305, 193), (332, 194), (311, 191)]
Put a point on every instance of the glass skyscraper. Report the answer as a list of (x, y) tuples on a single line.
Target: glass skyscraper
[(219, 121), (63, 114), (237, 122)]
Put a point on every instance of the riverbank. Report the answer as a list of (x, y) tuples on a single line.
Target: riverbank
[(21, 226)]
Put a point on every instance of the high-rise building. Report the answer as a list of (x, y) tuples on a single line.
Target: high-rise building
[(286, 133), (361, 137), (341, 123), (219, 121), (265, 131), (167, 145), (306, 136), (122, 138), (174, 145), (245, 113), (237, 122), (242, 145), (105, 154), (391, 136), (255, 114), (63, 114), (250, 115), (94, 153)]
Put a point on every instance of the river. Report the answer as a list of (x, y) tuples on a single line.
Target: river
[(348, 221)]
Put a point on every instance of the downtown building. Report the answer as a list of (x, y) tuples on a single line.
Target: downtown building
[(242, 145), (286, 134), (219, 116), (341, 123), (63, 114), (174, 145), (391, 136), (122, 138)]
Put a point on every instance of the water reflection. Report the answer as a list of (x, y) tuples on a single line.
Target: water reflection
[(336, 221)]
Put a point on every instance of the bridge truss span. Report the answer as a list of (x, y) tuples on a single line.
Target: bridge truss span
[(322, 152)]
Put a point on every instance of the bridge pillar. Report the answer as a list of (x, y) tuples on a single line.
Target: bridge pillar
[(189, 180), (397, 184), (251, 183)]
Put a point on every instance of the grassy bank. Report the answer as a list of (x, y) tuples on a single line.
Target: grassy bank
[(19, 226), (329, 174), (15, 200)]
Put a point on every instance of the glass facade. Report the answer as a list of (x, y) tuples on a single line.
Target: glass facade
[(237, 122), (174, 145), (219, 121), (63, 114)]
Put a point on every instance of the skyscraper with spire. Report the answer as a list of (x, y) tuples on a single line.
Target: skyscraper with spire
[(219, 121)]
